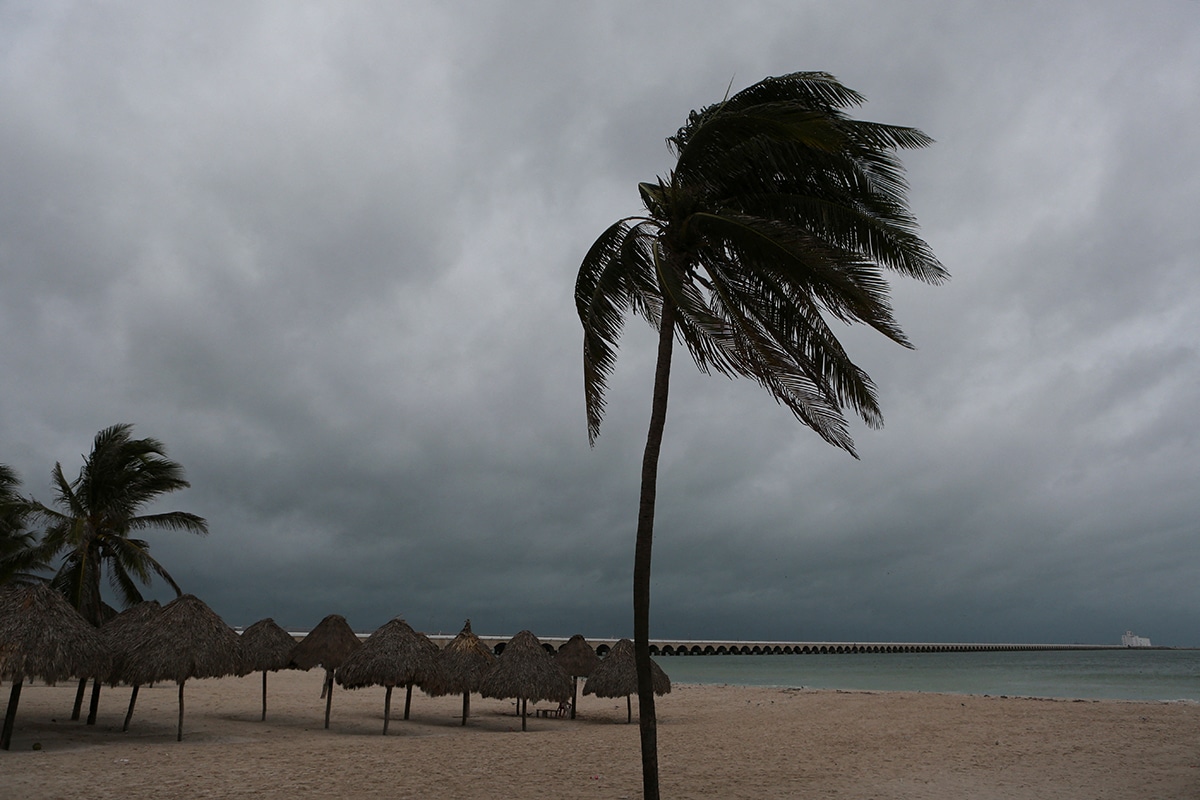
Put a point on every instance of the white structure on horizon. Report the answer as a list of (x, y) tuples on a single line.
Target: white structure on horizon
[(1129, 640)]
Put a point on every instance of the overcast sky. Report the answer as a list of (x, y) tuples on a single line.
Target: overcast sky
[(326, 253)]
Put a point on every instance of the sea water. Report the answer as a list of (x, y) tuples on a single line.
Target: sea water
[(1127, 674)]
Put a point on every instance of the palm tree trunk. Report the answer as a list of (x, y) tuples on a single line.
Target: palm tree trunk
[(648, 722)]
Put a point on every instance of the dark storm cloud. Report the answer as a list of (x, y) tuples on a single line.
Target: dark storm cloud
[(327, 255)]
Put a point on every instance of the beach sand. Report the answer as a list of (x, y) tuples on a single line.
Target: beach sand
[(714, 741)]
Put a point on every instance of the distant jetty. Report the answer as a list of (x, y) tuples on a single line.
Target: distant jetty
[(734, 647)]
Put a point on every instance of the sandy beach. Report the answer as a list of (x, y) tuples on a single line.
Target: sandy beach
[(728, 742)]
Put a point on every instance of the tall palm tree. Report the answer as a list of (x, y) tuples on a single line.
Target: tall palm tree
[(21, 554), (98, 510), (781, 214)]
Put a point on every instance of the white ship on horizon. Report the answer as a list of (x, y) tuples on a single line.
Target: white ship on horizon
[(1130, 640)]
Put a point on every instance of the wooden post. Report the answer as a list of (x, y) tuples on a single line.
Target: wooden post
[(264, 716), (129, 713), (466, 706), (328, 695), (387, 709), (78, 700), (95, 703), (10, 716), (179, 734), (407, 699)]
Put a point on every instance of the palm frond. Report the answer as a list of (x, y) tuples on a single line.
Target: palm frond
[(780, 211)]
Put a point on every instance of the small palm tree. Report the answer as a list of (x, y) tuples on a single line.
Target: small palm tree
[(99, 509), (21, 556), (781, 213), (97, 512)]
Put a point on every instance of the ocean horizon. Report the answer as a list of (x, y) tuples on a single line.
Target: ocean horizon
[(1162, 674)]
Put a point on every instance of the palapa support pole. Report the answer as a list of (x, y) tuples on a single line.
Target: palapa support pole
[(574, 694), (264, 716), (78, 700), (328, 692), (407, 698), (94, 706), (179, 733), (466, 707), (387, 709), (129, 713), (524, 711), (10, 715), (629, 708)]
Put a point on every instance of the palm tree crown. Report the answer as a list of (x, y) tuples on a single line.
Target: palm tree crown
[(21, 556), (97, 512), (780, 213)]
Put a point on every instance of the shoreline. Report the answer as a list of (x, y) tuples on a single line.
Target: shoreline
[(714, 741)]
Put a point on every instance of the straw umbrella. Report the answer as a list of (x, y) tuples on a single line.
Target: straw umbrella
[(267, 647), (327, 645), (578, 659), (394, 655), (42, 636), (527, 672), (464, 662), (121, 634), (186, 640), (616, 676)]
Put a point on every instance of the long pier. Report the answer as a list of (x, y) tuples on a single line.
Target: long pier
[(737, 647), (707, 647)]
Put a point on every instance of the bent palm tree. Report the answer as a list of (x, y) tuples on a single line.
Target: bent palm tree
[(780, 213), (99, 510)]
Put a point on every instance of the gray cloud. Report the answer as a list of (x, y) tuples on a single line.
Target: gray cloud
[(327, 255)]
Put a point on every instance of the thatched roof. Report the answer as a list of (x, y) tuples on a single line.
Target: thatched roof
[(577, 657), (616, 674), (464, 662), (266, 646), (42, 636), (186, 640), (124, 631), (326, 645), (394, 655), (527, 672)]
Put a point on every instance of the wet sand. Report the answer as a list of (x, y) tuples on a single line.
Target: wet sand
[(714, 741)]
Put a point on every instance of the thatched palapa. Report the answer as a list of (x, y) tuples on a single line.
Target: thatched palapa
[(327, 645), (616, 676), (394, 655), (464, 662), (266, 647), (186, 640), (121, 634), (42, 636), (578, 659), (527, 672)]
